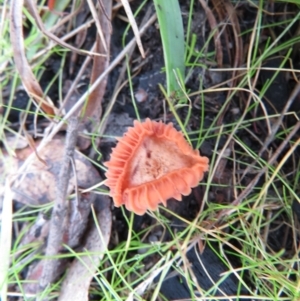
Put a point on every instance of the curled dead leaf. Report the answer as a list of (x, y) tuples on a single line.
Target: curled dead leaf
[(36, 186)]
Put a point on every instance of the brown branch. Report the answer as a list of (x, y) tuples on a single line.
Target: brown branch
[(60, 209)]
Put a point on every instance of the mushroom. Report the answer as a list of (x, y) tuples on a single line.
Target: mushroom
[(152, 163)]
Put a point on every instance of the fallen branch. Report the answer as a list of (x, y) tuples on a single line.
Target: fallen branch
[(60, 209)]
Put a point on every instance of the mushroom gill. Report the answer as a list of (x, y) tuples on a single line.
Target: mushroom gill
[(152, 163)]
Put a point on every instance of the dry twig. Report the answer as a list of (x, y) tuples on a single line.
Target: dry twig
[(59, 212)]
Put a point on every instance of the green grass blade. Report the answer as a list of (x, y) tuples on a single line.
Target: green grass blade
[(172, 36)]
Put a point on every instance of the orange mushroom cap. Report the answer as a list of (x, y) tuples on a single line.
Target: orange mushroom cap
[(152, 163)]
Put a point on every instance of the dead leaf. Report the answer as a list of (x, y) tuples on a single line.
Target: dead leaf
[(35, 273), (38, 233), (36, 186), (77, 282), (93, 110), (29, 81)]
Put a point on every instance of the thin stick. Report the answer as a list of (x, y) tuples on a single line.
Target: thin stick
[(60, 209)]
